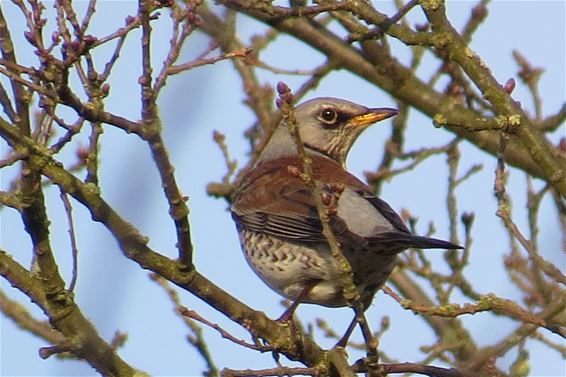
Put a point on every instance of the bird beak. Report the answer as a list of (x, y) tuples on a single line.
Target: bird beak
[(372, 116)]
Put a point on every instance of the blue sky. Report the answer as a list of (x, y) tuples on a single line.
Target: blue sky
[(116, 295)]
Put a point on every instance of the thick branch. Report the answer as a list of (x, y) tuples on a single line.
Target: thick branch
[(551, 168), (81, 337), (400, 82), (134, 246)]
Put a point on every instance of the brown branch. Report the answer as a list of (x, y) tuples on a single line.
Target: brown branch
[(391, 76), (91, 160), (304, 11), (12, 200), (224, 188), (131, 24), (489, 302), (151, 132), (24, 320), (285, 99), (258, 97), (531, 77), (241, 53), (279, 371), (21, 98), (7, 104), (503, 211), (65, 96), (551, 168), (49, 293), (148, 95), (64, 315), (515, 337), (349, 290), (547, 267), (17, 79), (135, 247), (88, 15), (477, 16), (178, 209), (418, 156), (382, 25), (552, 122), (225, 334), (116, 54), (72, 238), (196, 339), (93, 114), (445, 329), (427, 370), (558, 347), (184, 23), (72, 130)]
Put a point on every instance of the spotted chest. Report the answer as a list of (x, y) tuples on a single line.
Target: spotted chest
[(288, 267)]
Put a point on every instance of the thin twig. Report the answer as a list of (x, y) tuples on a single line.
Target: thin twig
[(489, 302), (350, 291), (225, 334), (174, 69), (182, 28), (427, 370), (196, 339), (503, 211), (73, 239)]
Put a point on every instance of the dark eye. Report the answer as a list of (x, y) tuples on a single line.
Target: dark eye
[(329, 115)]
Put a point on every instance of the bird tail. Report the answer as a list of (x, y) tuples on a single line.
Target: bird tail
[(397, 241), (432, 243)]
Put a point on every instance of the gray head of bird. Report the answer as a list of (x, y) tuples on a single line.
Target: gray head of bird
[(326, 125)]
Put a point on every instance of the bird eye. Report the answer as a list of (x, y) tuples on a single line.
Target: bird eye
[(329, 115)]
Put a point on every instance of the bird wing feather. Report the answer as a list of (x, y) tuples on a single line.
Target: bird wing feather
[(273, 199)]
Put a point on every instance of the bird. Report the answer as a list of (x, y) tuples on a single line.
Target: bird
[(279, 227)]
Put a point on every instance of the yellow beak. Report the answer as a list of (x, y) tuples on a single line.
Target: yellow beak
[(372, 116)]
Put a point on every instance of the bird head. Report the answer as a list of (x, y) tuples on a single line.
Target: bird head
[(328, 126)]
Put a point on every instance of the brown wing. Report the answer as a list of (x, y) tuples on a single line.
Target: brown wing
[(273, 199)]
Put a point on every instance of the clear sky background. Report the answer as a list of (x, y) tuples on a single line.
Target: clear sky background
[(116, 295)]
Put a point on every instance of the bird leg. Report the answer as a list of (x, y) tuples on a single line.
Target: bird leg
[(288, 314), (343, 342)]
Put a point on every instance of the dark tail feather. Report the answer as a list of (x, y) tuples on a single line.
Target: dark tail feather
[(432, 243), (399, 240)]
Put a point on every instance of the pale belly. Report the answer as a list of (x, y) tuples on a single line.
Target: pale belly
[(289, 267)]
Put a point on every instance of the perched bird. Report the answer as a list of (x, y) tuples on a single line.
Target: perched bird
[(278, 222)]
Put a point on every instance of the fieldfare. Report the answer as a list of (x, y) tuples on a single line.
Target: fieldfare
[(278, 222)]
